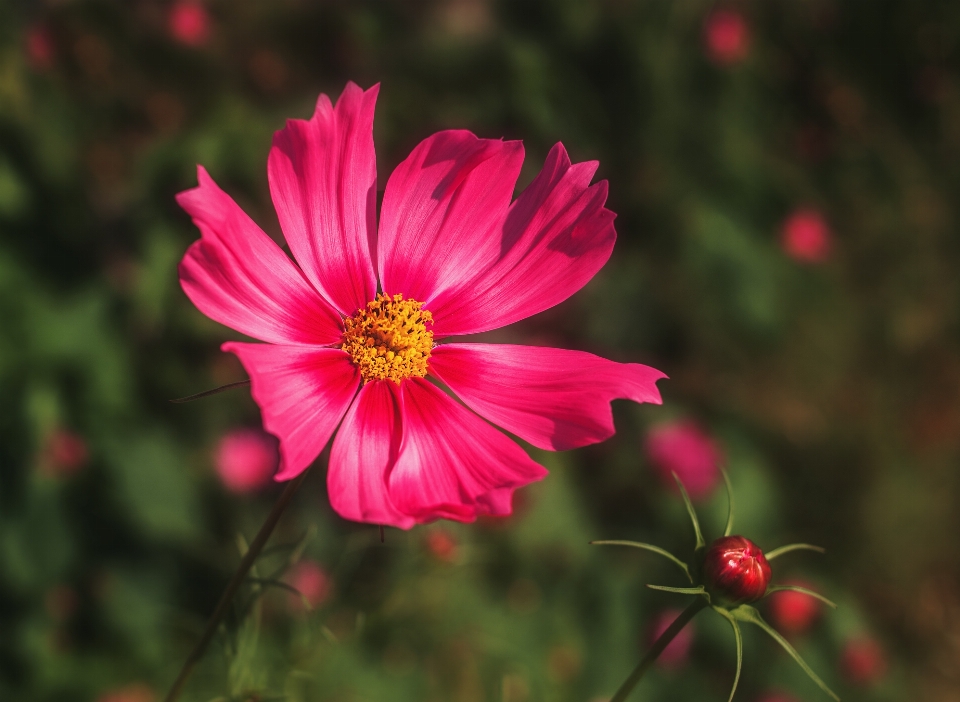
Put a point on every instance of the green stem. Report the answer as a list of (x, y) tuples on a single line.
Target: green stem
[(658, 646), (259, 541)]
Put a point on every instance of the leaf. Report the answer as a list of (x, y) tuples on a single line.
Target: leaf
[(739, 638), (805, 591), (730, 507), (793, 547), (746, 613), (648, 547), (693, 515), (679, 590)]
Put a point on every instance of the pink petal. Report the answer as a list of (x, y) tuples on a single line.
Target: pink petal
[(556, 237), (323, 180), (363, 453), (554, 398), (443, 208), (235, 274), (452, 464), (302, 393)]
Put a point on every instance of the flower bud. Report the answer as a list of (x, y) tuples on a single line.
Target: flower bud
[(735, 571)]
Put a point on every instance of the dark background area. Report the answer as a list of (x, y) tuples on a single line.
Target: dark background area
[(829, 377)]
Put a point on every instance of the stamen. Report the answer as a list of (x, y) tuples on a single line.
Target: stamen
[(389, 338)]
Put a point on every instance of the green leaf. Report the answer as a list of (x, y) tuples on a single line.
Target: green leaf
[(746, 613), (805, 591), (679, 590), (693, 515), (793, 547), (730, 508), (648, 547), (739, 639)]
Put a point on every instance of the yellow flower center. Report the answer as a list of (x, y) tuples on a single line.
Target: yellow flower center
[(389, 338)]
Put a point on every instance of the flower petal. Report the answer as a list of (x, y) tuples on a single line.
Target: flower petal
[(363, 453), (554, 398), (442, 211), (302, 392), (556, 237), (323, 180), (235, 274), (452, 464)]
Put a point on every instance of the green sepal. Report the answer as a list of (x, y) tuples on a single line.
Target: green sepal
[(269, 582), (648, 547), (803, 590), (746, 613), (681, 590), (728, 529), (793, 547), (739, 639), (693, 515)]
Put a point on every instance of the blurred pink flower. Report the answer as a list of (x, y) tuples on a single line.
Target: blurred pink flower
[(312, 581), (39, 47), (682, 447), (245, 459), (64, 453), (136, 692), (793, 612), (863, 661), (189, 22), (727, 37), (453, 256), (806, 237), (677, 652), (777, 697), (442, 545)]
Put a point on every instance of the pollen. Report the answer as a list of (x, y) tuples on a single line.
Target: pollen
[(390, 338)]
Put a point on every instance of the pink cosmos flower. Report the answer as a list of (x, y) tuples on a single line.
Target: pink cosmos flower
[(727, 37), (245, 459), (682, 447), (189, 22), (311, 580), (351, 327), (806, 236)]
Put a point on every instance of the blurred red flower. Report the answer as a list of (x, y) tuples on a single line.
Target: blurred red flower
[(312, 581), (682, 447), (189, 22), (442, 545), (39, 47), (245, 459), (806, 237), (64, 453), (863, 661), (136, 692), (727, 37), (793, 612), (677, 652)]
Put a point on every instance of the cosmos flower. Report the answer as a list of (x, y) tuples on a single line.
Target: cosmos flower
[(352, 328), (245, 459), (681, 447)]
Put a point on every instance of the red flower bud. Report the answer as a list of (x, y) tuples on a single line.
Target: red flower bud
[(735, 571)]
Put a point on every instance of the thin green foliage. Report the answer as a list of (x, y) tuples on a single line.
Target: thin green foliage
[(648, 547), (693, 514)]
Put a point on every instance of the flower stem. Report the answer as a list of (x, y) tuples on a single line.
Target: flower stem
[(658, 646), (256, 546)]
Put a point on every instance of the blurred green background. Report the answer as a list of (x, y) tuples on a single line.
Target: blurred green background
[(829, 376)]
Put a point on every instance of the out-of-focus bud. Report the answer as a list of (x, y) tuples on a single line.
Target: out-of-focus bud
[(137, 692), (311, 580), (39, 47), (806, 237), (863, 661), (777, 697), (245, 459), (64, 453), (727, 37), (442, 545), (794, 612), (735, 571), (682, 447), (189, 22), (677, 652)]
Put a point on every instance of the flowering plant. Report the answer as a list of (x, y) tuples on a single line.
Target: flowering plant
[(726, 576)]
